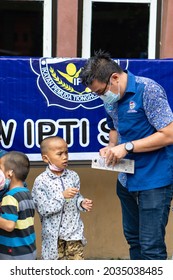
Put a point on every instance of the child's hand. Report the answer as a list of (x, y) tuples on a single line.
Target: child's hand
[(70, 192), (87, 204)]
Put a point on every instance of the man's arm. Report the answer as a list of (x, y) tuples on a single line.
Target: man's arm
[(159, 139)]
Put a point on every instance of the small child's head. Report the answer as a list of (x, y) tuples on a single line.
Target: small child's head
[(54, 151), (15, 164)]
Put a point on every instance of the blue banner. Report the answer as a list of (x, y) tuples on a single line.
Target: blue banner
[(40, 97)]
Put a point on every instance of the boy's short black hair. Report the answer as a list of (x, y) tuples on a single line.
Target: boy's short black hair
[(19, 163)]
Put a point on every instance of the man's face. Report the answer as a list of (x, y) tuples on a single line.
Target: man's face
[(98, 87)]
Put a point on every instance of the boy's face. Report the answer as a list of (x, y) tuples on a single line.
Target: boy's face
[(57, 154)]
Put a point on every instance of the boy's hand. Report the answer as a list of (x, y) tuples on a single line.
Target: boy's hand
[(70, 192), (87, 204)]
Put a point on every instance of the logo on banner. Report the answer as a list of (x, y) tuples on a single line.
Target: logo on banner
[(59, 81)]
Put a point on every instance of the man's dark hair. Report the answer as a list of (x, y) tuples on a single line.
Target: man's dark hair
[(19, 163), (99, 67)]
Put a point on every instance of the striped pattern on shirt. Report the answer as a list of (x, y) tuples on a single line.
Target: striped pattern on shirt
[(17, 205)]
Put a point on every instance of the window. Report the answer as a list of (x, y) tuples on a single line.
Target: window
[(21, 25), (127, 29)]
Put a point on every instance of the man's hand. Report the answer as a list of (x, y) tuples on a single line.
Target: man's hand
[(113, 136), (103, 151), (114, 154)]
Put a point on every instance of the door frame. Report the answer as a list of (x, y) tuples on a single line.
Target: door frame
[(47, 28)]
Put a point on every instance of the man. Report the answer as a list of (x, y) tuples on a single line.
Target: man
[(142, 130)]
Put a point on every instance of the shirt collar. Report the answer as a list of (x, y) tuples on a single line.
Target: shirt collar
[(130, 82), (54, 176)]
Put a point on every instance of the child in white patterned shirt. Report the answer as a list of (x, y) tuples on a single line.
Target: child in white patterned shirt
[(58, 201)]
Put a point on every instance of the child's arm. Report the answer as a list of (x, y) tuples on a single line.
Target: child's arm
[(84, 204), (87, 204), (7, 224), (9, 213)]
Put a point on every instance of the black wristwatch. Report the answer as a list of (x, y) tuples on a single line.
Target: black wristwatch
[(129, 146)]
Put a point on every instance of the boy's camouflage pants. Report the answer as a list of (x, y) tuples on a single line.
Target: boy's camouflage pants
[(70, 250)]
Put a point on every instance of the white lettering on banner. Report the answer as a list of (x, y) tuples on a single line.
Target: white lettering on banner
[(84, 138), (82, 98), (48, 127), (29, 128), (77, 81), (35, 132), (44, 128), (64, 94), (102, 136), (8, 133), (47, 77)]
